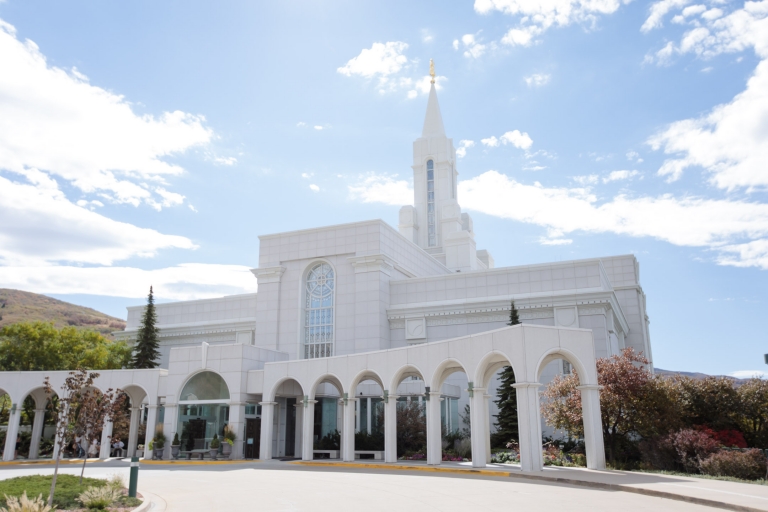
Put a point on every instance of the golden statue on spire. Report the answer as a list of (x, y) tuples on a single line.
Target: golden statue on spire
[(432, 70)]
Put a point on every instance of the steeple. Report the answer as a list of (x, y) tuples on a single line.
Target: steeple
[(433, 122)]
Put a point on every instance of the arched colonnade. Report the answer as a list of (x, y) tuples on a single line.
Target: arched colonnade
[(527, 348)]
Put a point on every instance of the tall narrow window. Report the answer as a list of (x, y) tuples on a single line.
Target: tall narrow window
[(431, 230), (318, 312)]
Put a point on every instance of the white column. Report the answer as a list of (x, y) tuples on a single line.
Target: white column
[(170, 420), (486, 400), (308, 431), (368, 415), (13, 430), (593, 428), (479, 427), (529, 421), (133, 431), (390, 429), (106, 440), (434, 432), (237, 425), (358, 406), (37, 433), (267, 417), (348, 431), (151, 422)]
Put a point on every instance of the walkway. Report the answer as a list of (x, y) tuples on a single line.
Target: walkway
[(339, 487)]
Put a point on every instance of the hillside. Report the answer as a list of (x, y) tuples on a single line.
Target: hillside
[(19, 306)]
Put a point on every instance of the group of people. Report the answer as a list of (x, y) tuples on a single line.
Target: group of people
[(77, 448)]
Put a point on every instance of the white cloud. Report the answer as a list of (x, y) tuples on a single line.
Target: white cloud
[(381, 188), (455, 44), (658, 11), (92, 137), (620, 175), (307, 175), (473, 48), (40, 226), (314, 188), (187, 281), (426, 36), (537, 79), (749, 374), (514, 137), (536, 16), (737, 231), (461, 152), (382, 59), (634, 155), (225, 160), (301, 124), (719, 225), (387, 64), (587, 180), (730, 143), (318, 127), (517, 139), (491, 142)]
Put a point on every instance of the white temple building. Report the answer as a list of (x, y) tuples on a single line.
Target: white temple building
[(351, 319)]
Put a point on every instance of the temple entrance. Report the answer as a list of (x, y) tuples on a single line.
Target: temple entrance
[(252, 437)]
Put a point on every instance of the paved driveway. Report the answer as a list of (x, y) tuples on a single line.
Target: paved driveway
[(276, 486)]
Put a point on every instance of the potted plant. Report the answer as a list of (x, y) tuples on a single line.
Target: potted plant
[(175, 446), (229, 441), (159, 443), (214, 446), (150, 449), (139, 451)]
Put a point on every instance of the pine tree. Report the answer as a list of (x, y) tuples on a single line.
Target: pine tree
[(506, 420), (147, 349)]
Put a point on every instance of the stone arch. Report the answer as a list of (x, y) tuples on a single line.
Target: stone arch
[(364, 375), (447, 367), (586, 375), (193, 377), (491, 363), (330, 378), (402, 373), (590, 402), (273, 391)]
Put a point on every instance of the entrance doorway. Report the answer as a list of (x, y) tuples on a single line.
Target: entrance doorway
[(252, 438), (290, 427)]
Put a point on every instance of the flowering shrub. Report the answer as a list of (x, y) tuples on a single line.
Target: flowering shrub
[(25, 504), (693, 446), (506, 458), (98, 497), (731, 438), (747, 465), (413, 456), (448, 457)]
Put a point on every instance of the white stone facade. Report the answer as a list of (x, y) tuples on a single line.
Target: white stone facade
[(365, 295)]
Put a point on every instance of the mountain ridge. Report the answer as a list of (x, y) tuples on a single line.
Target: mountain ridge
[(20, 306)]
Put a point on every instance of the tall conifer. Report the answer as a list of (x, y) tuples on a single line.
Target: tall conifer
[(506, 398), (147, 349)]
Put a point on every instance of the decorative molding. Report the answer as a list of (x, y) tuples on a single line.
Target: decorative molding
[(372, 263), (415, 328), (268, 274)]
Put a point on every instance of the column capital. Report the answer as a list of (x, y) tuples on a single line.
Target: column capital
[(39, 410), (587, 387), (475, 390), (152, 406), (486, 396), (526, 385), (238, 403), (437, 393), (267, 403), (393, 397)]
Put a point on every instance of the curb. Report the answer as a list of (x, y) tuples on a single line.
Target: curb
[(144, 506), (185, 462), (567, 481)]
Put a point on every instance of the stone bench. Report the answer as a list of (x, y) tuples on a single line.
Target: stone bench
[(199, 453), (332, 454), (376, 454)]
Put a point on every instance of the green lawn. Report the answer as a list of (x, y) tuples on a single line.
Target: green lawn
[(67, 488)]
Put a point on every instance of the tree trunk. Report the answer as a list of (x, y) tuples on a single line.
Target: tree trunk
[(53, 480)]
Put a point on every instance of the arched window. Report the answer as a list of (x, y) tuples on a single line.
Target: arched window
[(431, 231), (205, 386), (318, 312)]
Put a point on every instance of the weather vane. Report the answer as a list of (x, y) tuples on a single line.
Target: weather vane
[(432, 70)]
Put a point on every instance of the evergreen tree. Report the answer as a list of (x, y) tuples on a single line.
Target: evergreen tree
[(147, 349), (506, 399)]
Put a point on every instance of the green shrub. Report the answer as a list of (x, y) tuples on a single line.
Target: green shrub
[(330, 441), (68, 488), (98, 498), (215, 443), (747, 465)]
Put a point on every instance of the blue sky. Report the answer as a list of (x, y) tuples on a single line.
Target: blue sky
[(152, 142)]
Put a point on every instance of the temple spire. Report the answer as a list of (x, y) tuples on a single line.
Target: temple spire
[(433, 122)]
